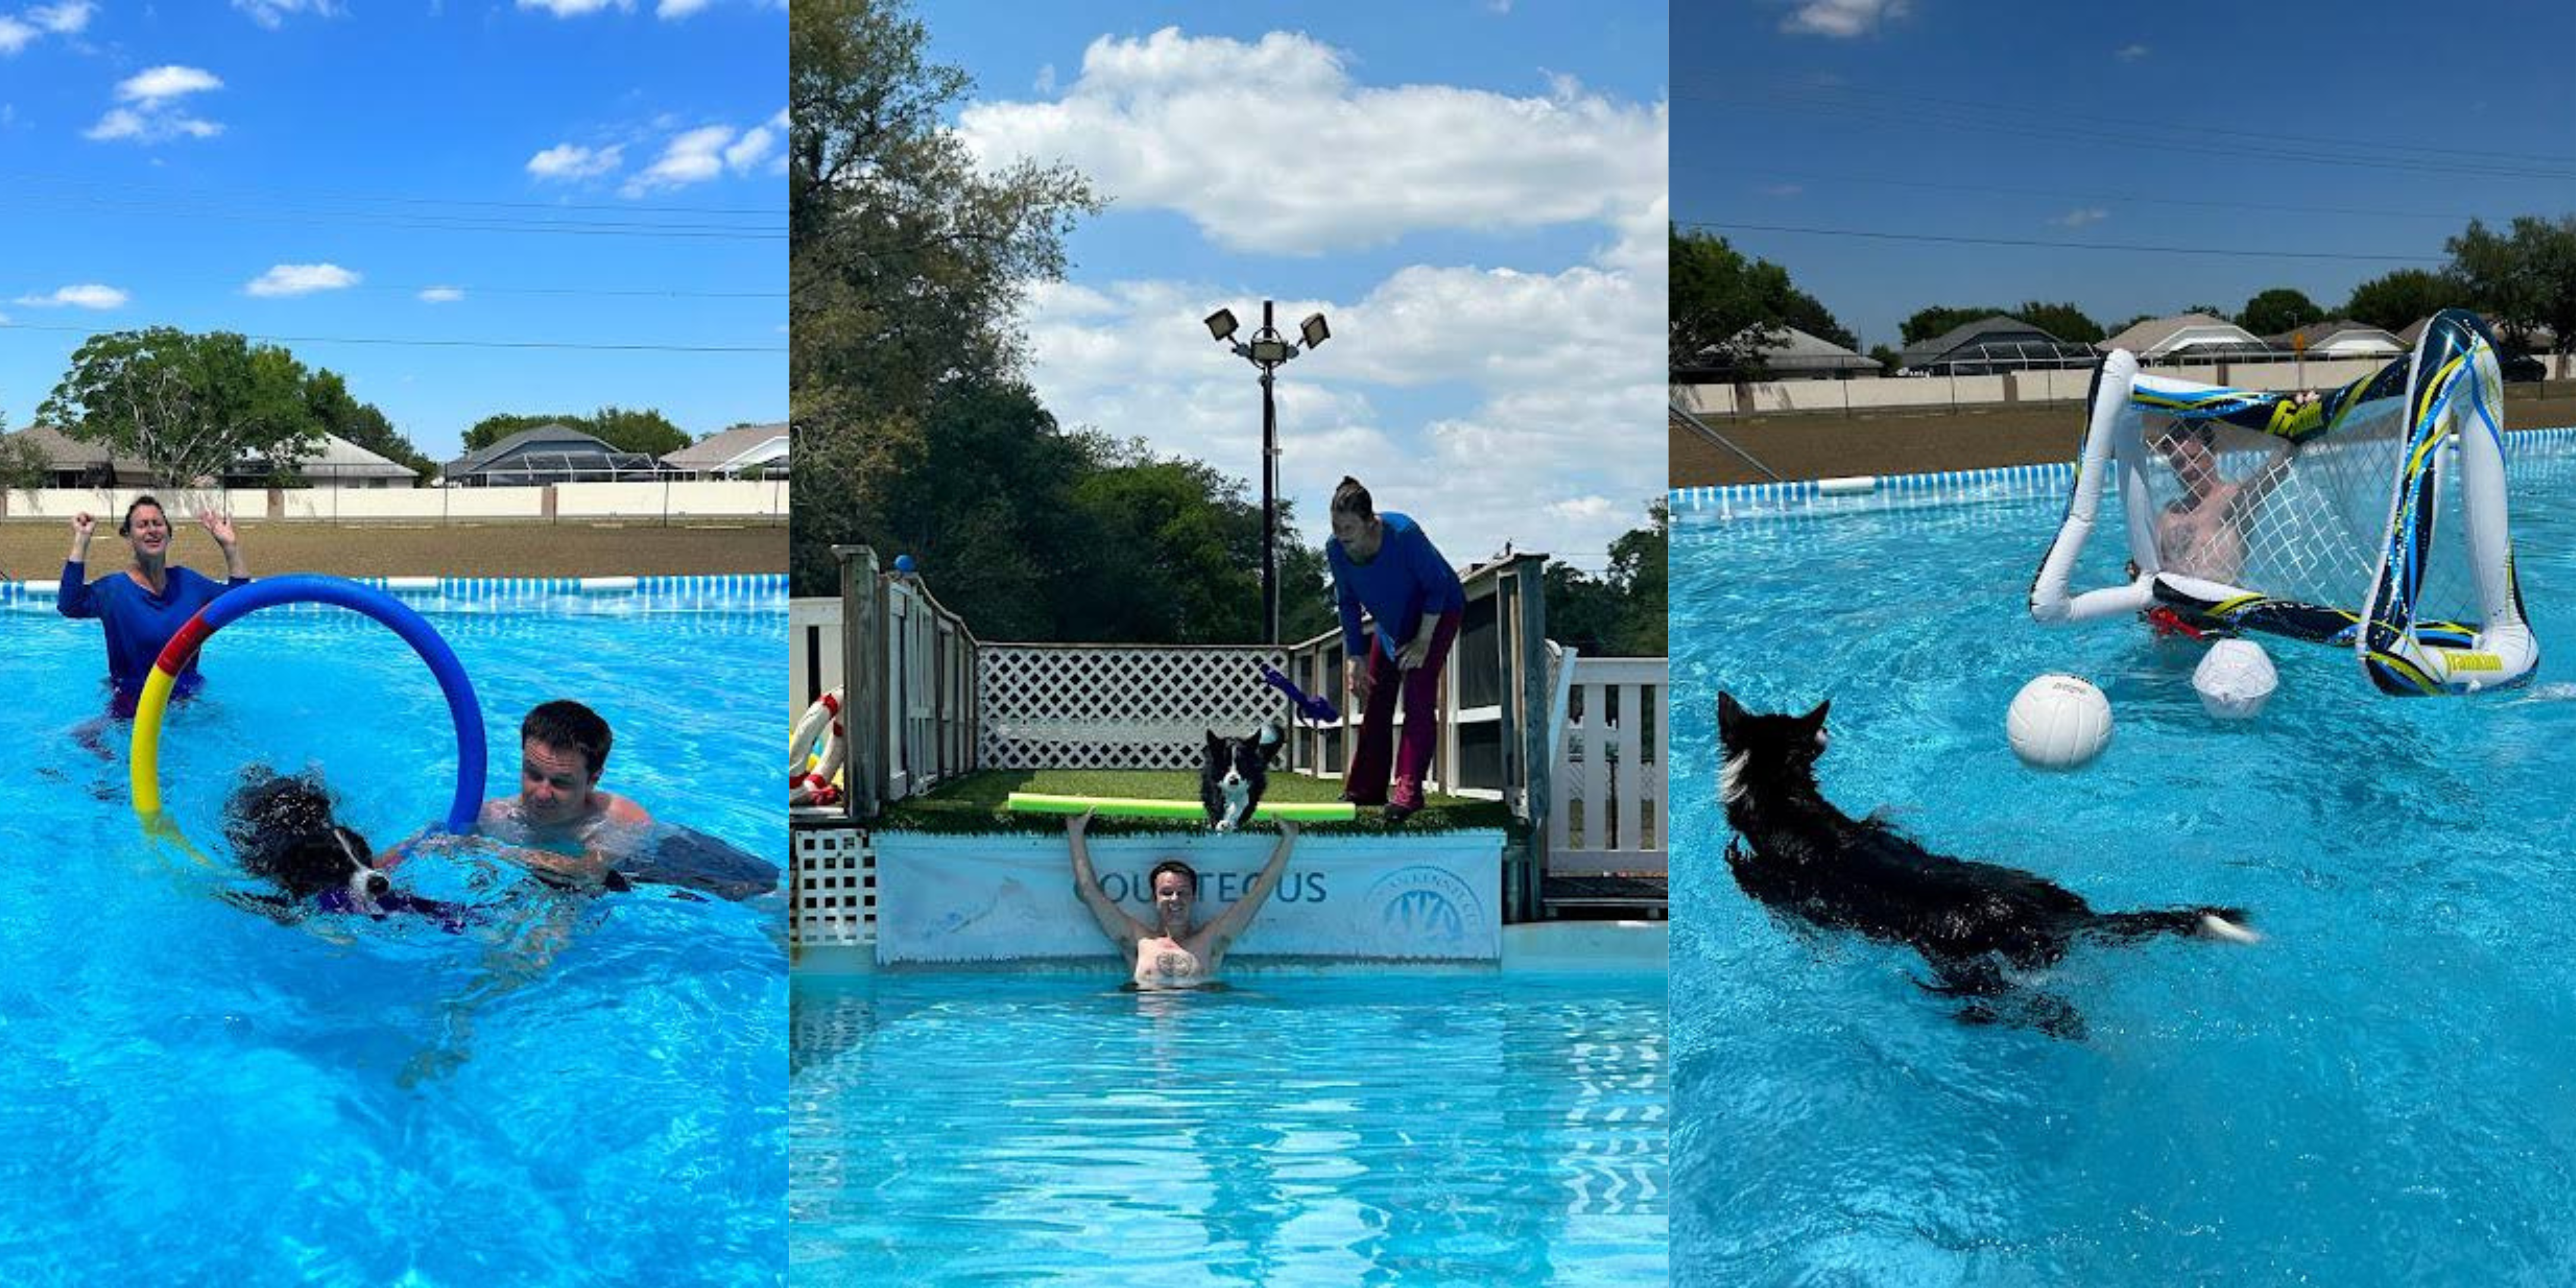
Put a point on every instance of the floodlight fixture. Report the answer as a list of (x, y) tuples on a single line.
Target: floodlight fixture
[(1220, 325), (1314, 330)]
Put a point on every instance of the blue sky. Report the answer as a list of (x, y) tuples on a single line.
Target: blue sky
[(1471, 192), (1823, 114), (571, 173)]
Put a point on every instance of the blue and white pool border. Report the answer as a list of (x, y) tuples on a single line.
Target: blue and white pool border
[(751, 587), (2001, 483)]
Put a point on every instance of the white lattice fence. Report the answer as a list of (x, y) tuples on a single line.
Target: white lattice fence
[(836, 887), (1052, 706)]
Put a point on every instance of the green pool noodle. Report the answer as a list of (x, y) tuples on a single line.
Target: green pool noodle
[(1123, 807)]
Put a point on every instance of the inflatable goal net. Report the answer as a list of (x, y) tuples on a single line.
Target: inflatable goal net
[(2370, 517)]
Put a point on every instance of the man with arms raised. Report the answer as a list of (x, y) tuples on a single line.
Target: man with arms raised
[(1169, 953)]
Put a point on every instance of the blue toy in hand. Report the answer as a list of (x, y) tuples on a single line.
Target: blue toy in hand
[(1313, 708)]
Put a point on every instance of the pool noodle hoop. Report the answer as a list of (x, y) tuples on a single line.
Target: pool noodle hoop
[(240, 601), (1128, 807)]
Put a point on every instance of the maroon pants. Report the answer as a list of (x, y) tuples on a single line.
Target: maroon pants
[(1365, 780)]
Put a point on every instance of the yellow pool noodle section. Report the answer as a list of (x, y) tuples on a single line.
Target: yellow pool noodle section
[(144, 774), (1125, 807)]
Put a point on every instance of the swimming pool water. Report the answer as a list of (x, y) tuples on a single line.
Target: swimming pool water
[(2382, 1092), (570, 1091), (1298, 1129)]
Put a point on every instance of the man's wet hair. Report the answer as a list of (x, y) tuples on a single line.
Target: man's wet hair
[(125, 526), (1352, 499), (1155, 877), (566, 723)]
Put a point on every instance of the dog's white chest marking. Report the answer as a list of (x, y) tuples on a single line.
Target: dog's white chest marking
[(1730, 778), (1238, 793)]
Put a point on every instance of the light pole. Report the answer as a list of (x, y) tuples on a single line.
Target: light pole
[(1268, 350)]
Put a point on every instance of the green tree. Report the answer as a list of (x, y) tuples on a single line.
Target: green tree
[(1638, 570), (339, 413), (2279, 309), (647, 431), (189, 406), (1621, 612), (1808, 314), (24, 466), (906, 262), (2523, 280), (2143, 317), (492, 429), (2210, 309), (1723, 309), (2395, 301), (1888, 359), (2065, 321), (1938, 320)]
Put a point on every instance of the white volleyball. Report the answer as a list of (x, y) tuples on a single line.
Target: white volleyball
[(2058, 722), (2235, 680)]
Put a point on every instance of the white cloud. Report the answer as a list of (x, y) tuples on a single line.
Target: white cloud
[(1564, 402), (15, 35), (1841, 19), (1271, 145), (576, 8), (571, 161), (442, 295), (692, 156), (88, 295), (155, 114), (2079, 218), (66, 19), (749, 150), (159, 83), (301, 279), (1045, 83), (151, 125), (272, 13), (670, 9), (2132, 53)]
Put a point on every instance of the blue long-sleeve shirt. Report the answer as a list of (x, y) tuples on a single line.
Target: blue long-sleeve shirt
[(139, 623), (1405, 582)]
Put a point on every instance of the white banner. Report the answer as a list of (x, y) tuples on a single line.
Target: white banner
[(1432, 897)]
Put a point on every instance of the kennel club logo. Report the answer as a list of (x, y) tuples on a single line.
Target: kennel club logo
[(1428, 909)]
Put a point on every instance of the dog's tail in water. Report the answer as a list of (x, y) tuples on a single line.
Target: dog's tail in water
[(2207, 923)]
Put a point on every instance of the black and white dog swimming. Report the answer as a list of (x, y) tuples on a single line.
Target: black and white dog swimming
[(283, 831), (1235, 772), (1971, 921)]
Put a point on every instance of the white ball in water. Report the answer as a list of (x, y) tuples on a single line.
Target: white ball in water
[(2058, 722), (2235, 680)]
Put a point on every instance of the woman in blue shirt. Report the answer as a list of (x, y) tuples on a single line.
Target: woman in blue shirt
[(1384, 563), (147, 602)]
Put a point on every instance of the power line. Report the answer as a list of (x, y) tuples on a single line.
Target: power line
[(1729, 225), (2137, 197), (2021, 109), (632, 208), (2145, 138), (448, 344)]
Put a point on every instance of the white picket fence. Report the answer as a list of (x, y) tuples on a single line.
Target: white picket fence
[(1613, 738)]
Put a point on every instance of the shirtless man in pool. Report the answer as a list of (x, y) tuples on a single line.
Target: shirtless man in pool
[(569, 827), (1169, 954)]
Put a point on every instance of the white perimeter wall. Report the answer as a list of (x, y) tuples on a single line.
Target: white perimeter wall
[(714, 498), (1887, 393)]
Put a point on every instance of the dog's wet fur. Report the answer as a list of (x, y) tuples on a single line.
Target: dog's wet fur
[(1972, 922), (1235, 772), (283, 831)]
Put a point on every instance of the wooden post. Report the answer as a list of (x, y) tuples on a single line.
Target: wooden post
[(863, 681)]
